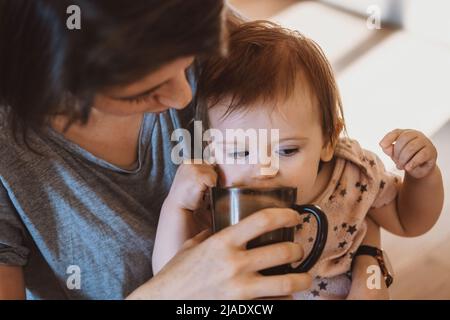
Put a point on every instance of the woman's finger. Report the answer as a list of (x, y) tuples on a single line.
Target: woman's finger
[(290, 297), (259, 223), (272, 255), (276, 286), (198, 238)]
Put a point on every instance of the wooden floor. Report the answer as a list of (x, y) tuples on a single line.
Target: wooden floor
[(422, 265)]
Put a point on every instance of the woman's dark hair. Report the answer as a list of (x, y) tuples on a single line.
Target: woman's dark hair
[(47, 69)]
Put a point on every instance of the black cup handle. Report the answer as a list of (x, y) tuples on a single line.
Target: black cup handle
[(321, 237)]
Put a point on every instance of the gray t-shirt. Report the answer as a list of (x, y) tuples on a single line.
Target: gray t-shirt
[(82, 227)]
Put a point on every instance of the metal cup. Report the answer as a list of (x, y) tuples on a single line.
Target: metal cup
[(231, 205)]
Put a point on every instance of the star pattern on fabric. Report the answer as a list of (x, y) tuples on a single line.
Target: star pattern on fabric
[(311, 239), (363, 188), (307, 218), (382, 184), (342, 244), (344, 225), (351, 229), (372, 163), (315, 293), (359, 199), (323, 285), (337, 186), (343, 192)]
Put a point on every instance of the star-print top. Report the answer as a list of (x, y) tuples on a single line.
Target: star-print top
[(358, 183)]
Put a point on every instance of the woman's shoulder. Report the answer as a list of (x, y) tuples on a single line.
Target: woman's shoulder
[(15, 155)]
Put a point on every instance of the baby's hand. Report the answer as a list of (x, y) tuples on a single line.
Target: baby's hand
[(411, 151), (190, 183)]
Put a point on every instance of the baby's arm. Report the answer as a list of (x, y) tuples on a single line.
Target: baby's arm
[(359, 289), (420, 199), (176, 222)]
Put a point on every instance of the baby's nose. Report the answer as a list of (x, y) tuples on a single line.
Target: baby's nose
[(264, 171)]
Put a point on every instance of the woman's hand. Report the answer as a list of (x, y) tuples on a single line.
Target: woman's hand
[(220, 267)]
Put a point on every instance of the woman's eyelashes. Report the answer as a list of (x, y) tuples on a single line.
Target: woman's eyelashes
[(141, 99), (146, 97)]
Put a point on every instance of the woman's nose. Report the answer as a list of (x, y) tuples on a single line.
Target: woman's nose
[(177, 93)]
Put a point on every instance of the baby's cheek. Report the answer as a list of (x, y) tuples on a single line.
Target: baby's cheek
[(305, 180), (302, 191)]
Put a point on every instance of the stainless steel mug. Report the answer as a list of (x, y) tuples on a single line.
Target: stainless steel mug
[(231, 205)]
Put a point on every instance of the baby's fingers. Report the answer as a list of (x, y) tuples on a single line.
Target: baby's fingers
[(390, 138), (409, 151), (208, 177), (421, 164), (404, 139)]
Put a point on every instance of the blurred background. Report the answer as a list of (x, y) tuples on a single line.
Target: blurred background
[(392, 62)]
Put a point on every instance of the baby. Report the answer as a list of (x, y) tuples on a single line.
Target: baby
[(273, 78)]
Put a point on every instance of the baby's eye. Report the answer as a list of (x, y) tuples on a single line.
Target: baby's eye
[(239, 154), (287, 152)]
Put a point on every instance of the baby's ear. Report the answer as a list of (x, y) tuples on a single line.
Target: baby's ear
[(327, 152)]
